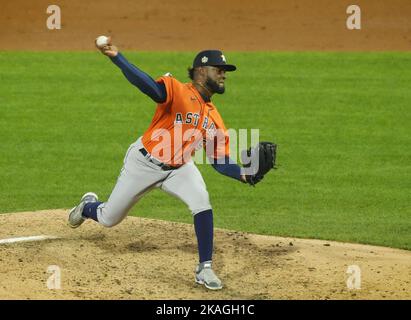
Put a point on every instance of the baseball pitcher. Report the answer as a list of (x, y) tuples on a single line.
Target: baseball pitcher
[(185, 120)]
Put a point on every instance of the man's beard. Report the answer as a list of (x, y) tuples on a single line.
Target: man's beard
[(214, 87)]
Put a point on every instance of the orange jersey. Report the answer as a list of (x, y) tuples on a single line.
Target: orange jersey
[(184, 123)]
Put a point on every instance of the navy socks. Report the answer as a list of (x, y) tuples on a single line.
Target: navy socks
[(90, 210), (203, 224)]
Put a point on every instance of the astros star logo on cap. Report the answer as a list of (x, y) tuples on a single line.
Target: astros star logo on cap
[(204, 59)]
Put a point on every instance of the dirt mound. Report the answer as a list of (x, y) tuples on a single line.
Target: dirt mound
[(193, 25), (150, 259)]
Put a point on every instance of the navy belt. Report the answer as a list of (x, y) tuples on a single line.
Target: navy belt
[(163, 166)]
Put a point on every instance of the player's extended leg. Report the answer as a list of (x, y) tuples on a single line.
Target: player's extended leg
[(137, 177), (188, 185)]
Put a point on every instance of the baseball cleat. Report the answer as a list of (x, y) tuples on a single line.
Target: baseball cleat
[(205, 275), (76, 218)]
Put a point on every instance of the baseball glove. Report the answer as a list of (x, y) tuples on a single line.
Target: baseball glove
[(259, 161)]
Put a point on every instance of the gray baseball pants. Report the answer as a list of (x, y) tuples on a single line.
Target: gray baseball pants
[(138, 176)]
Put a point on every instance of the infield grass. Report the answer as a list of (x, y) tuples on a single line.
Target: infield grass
[(342, 122)]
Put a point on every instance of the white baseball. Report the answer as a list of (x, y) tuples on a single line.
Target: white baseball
[(101, 41)]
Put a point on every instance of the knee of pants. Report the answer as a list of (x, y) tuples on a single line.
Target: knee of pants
[(108, 219), (199, 202)]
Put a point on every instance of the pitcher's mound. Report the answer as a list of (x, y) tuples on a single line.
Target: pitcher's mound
[(150, 259)]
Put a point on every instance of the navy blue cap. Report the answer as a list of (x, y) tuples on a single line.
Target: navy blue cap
[(213, 58)]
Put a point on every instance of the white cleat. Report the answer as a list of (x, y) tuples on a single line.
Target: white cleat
[(205, 275), (76, 218)]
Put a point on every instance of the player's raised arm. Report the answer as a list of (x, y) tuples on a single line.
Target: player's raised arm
[(140, 79)]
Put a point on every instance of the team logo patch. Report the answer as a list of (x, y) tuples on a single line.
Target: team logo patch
[(204, 59), (223, 58)]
